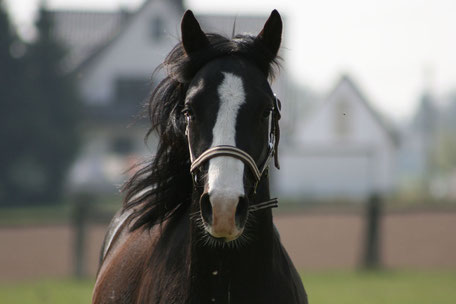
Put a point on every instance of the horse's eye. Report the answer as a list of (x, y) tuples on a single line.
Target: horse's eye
[(188, 113)]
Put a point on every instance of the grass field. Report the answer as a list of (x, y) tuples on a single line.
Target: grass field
[(381, 287), (322, 287), (46, 292)]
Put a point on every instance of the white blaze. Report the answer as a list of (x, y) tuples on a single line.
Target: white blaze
[(225, 175)]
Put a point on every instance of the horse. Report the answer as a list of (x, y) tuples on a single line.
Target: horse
[(196, 225)]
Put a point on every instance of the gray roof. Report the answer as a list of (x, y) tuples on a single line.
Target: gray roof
[(88, 34), (83, 33)]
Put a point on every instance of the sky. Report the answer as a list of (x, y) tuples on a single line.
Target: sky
[(393, 49)]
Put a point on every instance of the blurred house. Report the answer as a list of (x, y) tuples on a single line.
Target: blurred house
[(447, 139), (114, 55), (418, 146), (427, 161), (343, 149)]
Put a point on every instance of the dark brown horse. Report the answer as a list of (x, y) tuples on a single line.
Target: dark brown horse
[(196, 225)]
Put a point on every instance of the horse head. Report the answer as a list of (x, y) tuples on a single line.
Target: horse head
[(231, 117)]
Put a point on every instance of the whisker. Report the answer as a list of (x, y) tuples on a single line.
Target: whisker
[(194, 214)]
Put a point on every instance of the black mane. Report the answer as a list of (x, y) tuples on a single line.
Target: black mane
[(162, 187)]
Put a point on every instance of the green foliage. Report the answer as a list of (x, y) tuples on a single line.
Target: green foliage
[(40, 120), (446, 149), (446, 155)]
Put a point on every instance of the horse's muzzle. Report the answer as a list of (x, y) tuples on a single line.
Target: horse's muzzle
[(224, 216)]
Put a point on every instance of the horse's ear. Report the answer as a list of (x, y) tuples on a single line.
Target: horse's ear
[(193, 38), (271, 34)]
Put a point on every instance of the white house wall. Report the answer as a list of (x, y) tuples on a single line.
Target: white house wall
[(98, 167), (132, 54), (319, 128), (321, 163), (323, 175)]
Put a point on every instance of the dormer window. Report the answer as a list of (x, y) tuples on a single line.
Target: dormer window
[(342, 119), (157, 28)]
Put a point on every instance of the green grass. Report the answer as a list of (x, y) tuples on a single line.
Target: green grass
[(386, 287), (60, 213), (35, 215), (47, 292)]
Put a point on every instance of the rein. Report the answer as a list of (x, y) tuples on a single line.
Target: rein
[(257, 171)]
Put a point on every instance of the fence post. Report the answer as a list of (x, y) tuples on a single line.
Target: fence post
[(372, 237), (80, 222)]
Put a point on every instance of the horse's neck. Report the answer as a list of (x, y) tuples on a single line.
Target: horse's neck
[(184, 270), (216, 271)]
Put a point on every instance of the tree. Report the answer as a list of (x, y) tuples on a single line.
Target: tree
[(44, 118), (446, 148), (12, 97)]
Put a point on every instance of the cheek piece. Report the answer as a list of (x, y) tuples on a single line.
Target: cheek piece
[(258, 171)]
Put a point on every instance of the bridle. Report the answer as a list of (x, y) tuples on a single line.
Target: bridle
[(227, 150)]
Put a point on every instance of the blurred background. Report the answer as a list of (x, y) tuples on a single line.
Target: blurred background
[(367, 184)]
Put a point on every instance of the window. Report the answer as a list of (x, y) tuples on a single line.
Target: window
[(342, 119)]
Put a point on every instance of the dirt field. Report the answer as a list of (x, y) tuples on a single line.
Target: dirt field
[(418, 240), (316, 240)]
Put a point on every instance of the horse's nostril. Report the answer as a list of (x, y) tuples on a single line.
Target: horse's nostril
[(206, 208), (241, 211)]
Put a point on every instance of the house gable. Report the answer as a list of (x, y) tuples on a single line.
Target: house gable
[(343, 150), (344, 118), (133, 55)]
